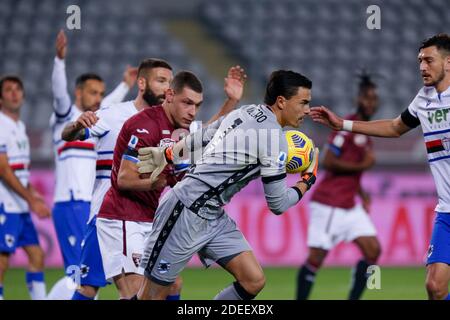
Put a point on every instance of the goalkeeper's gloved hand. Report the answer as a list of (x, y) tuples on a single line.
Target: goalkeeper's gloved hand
[(153, 160), (310, 174)]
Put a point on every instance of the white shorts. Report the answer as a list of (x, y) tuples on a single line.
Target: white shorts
[(330, 225), (121, 245)]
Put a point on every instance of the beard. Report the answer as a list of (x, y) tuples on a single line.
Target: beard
[(439, 78), (152, 99)]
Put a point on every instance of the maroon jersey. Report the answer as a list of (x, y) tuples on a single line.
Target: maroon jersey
[(339, 189), (148, 128)]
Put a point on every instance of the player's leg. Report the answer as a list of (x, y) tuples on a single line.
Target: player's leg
[(176, 236), (360, 230), (322, 229), (4, 263), (438, 269), (175, 289), (371, 249), (307, 273), (70, 220), (437, 280), (111, 234), (92, 275), (9, 230), (250, 279), (28, 240)]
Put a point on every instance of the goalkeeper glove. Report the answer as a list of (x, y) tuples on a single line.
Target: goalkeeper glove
[(310, 174), (153, 160)]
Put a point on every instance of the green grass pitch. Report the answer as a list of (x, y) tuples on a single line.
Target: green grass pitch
[(331, 283)]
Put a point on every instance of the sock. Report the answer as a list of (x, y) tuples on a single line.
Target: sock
[(79, 296), (234, 292), (62, 290), (1, 291), (305, 281), (36, 285), (359, 279), (173, 297)]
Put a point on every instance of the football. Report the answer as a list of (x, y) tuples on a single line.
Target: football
[(300, 151)]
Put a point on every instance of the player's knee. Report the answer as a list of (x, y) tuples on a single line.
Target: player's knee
[(255, 284), (374, 253), (436, 290), (315, 262)]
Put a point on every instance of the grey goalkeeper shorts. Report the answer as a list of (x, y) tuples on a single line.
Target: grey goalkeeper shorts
[(178, 234)]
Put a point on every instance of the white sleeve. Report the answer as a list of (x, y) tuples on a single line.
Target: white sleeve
[(102, 127), (117, 95), (61, 98), (3, 141)]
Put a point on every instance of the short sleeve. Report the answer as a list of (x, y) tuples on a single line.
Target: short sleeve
[(102, 127), (138, 138), (336, 142)]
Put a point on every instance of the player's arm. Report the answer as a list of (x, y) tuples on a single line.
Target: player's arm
[(279, 197), (333, 163), (391, 128), (129, 177), (61, 98), (79, 129), (121, 91), (7, 175), (234, 89)]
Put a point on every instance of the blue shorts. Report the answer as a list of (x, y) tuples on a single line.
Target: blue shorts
[(16, 230), (439, 249), (70, 219), (92, 273)]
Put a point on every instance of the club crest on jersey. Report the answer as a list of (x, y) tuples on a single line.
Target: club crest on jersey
[(163, 267), (281, 161), (166, 142), (142, 131), (136, 259), (133, 142)]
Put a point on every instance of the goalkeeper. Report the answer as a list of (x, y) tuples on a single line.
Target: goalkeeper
[(190, 219)]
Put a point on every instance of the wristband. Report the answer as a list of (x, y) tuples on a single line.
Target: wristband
[(347, 125)]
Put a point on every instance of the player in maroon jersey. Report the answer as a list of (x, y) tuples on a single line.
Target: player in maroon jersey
[(334, 214)]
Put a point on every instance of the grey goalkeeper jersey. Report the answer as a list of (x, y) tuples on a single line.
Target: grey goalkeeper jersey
[(231, 152)]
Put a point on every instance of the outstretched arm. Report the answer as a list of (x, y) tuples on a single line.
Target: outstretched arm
[(391, 128), (234, 89), (61, 98)]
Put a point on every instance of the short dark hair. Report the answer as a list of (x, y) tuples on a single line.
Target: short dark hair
[(365, 82), (81, 80), (441, 41), (284, 83), (152, 63), (186, 79), (10, 78)]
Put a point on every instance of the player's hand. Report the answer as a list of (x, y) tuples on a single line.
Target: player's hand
[(40, 208), (310, 174), (86, 120), (130, 76), (61, 44), (325, 116), (234, 83), (153, 160)]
